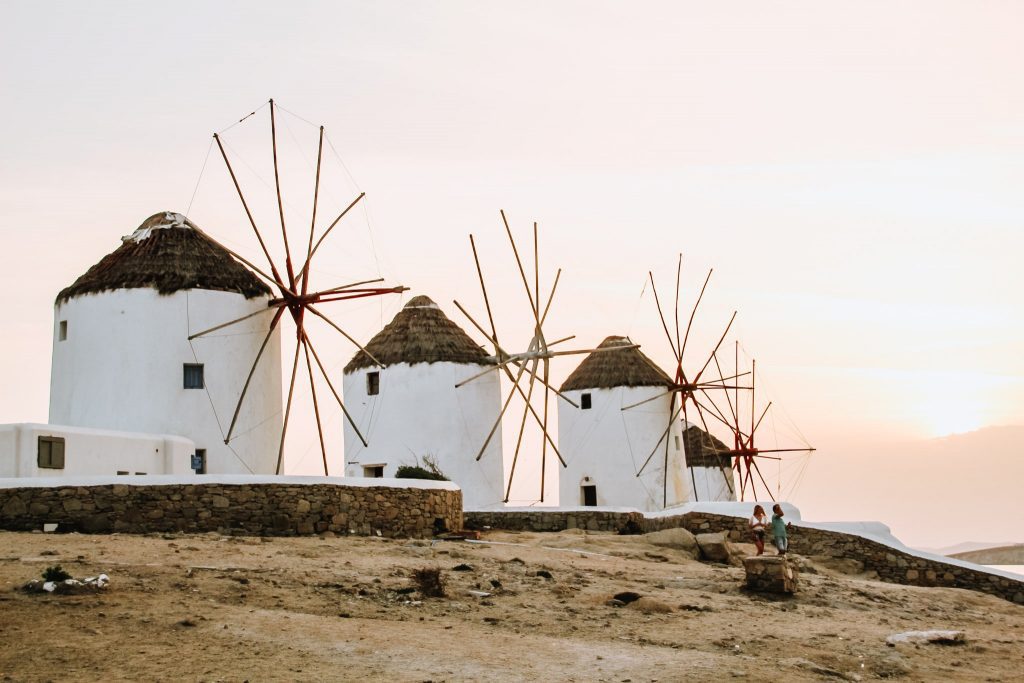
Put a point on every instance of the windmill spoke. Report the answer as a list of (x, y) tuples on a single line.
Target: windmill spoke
[(342, 288), (693, 476), (551, 297), (717, 417), (288, 407), (761, 477), (533, 412), (679, 274), (562, 340), (497, 423), (280, 203), (233, 322), (344, 334), (312, 222), (252, 370), (718, 460), (493, 340), (601, 349), (252, 222), (550, 386), (544, 428), (330, 385), (316, 405), (664, 435), (717, 411), (305, 266), (522, 429), (694, 313), (664, 325), (522, 272), (762, 417), (483, 288), (275, 281), (536, 281), (363, 293), (715, 350), (647, 400), (496, 366)]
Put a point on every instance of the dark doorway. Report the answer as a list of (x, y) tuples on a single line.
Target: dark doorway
[(589, 495)]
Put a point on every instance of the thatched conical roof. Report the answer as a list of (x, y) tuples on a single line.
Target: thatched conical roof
[(704, 450), (420, 333), (625, 367), (167, 254)]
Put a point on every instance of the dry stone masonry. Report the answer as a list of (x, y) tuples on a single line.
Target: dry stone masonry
[(257, 509), (889, 563)]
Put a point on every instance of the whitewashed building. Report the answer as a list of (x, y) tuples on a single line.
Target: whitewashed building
[(411, 412), (123, 362), (606, 448), (43, 450)]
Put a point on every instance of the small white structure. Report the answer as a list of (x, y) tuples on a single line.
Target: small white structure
[(411, 412), (709, 466), (38, 450), (122, 359), (606, 448)]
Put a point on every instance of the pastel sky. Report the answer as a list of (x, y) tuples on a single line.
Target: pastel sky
[(852, 172)]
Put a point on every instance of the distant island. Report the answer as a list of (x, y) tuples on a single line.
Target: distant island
[(1007, 554)]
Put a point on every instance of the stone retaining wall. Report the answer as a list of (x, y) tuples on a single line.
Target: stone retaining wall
[(891, 564), (260, 509)]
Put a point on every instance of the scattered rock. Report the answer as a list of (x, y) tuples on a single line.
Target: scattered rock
[(544, 573), (714, 547), (462, 568), (627, 597), (677, 539), (931, 637)]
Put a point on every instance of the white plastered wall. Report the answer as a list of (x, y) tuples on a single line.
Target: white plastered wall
[(419, 412), (121, 368), (92, 452), (606, 446), (709, 484)]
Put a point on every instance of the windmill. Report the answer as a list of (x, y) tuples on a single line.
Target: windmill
[(295, 295), (685, 385), (532, 366), (745, 451)]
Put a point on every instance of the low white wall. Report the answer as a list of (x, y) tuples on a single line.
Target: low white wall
[(92, 452)]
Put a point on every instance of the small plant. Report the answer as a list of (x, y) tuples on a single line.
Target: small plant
[(55, 573), (429, 582), (427, 470)]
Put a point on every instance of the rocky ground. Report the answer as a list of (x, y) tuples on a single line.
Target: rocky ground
[(519, 607)]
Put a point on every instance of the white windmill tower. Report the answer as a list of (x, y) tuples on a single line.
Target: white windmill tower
[(605, 448), (122, 359), (401, 394)]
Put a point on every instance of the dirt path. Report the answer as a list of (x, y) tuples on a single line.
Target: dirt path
[(213, 608)]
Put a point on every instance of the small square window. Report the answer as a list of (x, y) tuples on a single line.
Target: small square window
[(373, 471), (62, 330), (121, 473), (585, 402), (51, 452), (194, 376), (372, 384), (589, 495), (199, 461), (676, 437)]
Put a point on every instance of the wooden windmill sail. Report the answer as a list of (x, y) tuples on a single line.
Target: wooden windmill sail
[(525, 369), (296, 296), (745, 452), (687, 383)]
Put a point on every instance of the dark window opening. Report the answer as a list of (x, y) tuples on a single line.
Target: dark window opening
[(585, 401), (62, 330), (373, 471), (121, 473), (199, 461), (140, 473), (372, 383), (51, 452), (589, 495), (194, 376)]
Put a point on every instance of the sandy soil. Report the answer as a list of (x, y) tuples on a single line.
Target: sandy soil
[(214, 608)]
